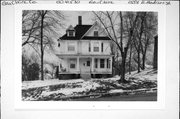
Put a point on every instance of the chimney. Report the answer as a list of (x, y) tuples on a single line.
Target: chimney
[(79, 20)]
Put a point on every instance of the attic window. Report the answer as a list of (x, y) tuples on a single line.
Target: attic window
[(71, 33), (96, 33)]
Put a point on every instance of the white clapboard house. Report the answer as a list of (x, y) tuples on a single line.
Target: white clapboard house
[(84, 52)]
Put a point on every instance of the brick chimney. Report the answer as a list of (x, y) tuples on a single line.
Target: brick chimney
[(79, 20)]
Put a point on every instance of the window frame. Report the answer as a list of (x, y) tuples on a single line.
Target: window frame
[(72, 62), (71, 46), (88, 63), (96, 33), (71, 33), (96, 47), (108, 63), (102, 64)]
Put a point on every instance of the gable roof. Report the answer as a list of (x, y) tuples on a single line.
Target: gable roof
[(96, 38), (81, 30)]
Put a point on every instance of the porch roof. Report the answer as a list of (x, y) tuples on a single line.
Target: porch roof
[(83, 55)]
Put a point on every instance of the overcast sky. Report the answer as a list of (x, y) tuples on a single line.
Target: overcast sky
[(72, 17)]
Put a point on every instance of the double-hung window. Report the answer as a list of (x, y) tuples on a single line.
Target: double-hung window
[(71, 47), (71, 33), (108, 63), (102, 63), (96, 46), (96, 63), (72, 63), (96, 33)]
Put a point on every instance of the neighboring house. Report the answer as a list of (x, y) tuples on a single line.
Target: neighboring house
[(85, 52)]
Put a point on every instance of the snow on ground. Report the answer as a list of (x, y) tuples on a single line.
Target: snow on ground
[(40, 83), (84, 87), (51, 89), (116, 91), (147, 74)]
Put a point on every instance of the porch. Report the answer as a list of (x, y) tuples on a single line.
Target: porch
[(86, 65)]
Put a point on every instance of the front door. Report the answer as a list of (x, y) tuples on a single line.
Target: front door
[(85, 66)]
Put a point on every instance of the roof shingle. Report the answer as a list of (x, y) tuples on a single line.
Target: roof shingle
[(80, 31)]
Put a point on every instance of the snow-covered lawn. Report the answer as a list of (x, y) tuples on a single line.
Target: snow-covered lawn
[(40, 83), (66, 89)]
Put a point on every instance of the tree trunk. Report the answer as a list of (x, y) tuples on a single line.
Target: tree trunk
[(144, 54), (155, 58), (113, 70), (130, 59), (143, 61), (139, 62), (123, 65), (42, 50), (123, 69)]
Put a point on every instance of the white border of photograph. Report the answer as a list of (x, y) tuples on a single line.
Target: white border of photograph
[(159, 104)]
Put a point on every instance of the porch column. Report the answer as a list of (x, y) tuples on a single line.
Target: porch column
[(92, 64), (78, 64), (110, 63)]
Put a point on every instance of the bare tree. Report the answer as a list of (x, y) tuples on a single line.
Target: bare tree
[(150, 30), (118, 28), (40, 30), (138, 37), (145, 28)]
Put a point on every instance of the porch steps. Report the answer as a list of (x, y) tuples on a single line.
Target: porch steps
[(86, 76)]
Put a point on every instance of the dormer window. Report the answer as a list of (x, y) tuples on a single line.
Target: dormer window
[(70, 31), (95, 33)]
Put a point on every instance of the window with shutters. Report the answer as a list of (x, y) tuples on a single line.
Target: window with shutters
[(96, 47)]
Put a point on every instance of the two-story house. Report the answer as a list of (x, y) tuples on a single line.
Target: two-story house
[(85, 52)]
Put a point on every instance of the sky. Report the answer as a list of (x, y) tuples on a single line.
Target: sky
[(72, 18)]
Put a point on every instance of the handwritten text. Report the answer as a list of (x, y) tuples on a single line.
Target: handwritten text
[(101, 2), (149, 2), (14, 2), (68, 1)]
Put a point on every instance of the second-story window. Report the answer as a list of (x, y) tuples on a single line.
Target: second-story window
[(71, 47), (96, 46), (95, 33)]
